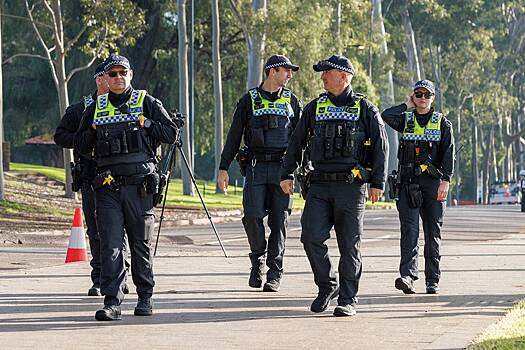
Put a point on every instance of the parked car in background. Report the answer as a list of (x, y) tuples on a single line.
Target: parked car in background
[(505, 193)]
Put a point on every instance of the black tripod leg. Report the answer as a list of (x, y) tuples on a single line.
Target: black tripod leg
[(170, 167), (202, 201)]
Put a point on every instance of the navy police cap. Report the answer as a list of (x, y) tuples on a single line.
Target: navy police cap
[(338, 62), (116, 60), (280, 61), (426, 84), (99, 70)]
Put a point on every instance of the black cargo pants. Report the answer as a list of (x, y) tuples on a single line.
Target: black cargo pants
[(340, 205), (262, 196), (431, 212), (119, 212)]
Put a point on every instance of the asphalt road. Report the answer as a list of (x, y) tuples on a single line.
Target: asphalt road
[(202, 299)]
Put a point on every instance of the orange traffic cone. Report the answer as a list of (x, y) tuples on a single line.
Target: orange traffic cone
[(76, 251)]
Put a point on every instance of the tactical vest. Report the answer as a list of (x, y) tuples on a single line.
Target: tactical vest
[(270, 126), (418, 144), (120, 137), (337, 136)]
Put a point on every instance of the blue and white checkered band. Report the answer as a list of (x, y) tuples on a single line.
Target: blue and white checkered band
[(435, 117), (278, 64), (88, 100), (103, 101), (118, 119), (116, 63), (286, 93), (253, 93), (426, 137), (135, 95), (425, 85), (337, 115), (279, 109), (336, 66)]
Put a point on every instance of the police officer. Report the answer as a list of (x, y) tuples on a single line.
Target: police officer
[(125, 127), (64, 136), (346, 146), (265, 117), (426, 164), (522, 188)]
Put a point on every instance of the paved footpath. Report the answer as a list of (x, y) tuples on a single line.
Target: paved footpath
[(202, 299)]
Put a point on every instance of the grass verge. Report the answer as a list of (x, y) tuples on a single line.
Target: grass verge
[(508, 333), (231, 200)]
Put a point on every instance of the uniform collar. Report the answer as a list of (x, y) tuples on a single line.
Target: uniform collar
[(272, 96), (345, 98), (119, 99)]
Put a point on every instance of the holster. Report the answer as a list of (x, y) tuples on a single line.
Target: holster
[(242, 158), (434, 171), (76, 175), (393, 188), (304, 181), (159, 196)]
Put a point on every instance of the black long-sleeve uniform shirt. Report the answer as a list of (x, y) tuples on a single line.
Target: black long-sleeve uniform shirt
[(239, 126), (395, 118), (162, 128), (65, 135), (371, 123)]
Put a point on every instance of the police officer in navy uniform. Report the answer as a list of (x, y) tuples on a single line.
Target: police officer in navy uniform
[(124, 128), (426, 165), (64, 136), (265, 117), (346, 147)]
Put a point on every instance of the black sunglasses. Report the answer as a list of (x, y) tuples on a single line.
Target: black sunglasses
[(114, 73), (427, 95)]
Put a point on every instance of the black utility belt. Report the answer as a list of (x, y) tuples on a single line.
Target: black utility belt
[(106, 179), (267, 157), (325, 177)]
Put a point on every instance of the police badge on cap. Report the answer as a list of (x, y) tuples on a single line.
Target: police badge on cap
[(425, 84), (116, 60)]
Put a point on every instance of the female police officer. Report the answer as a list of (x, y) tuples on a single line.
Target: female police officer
[(426, 161)]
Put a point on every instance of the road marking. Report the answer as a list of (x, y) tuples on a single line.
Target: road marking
[(380, 238)]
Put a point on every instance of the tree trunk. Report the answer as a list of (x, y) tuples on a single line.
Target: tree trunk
[(217, 85), (187, 187), (386, 82), (256, 50), (410, 47), (63, 98), (2, 188), (474, 155), (338, 17)]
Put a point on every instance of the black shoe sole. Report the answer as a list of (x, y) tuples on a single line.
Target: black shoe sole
[(432, 291), (143, 312), (94, 292), (340, 312), (105, 317), (270, 288), (402, 286), (334, 294)]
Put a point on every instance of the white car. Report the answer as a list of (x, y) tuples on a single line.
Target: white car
[(504, 193)]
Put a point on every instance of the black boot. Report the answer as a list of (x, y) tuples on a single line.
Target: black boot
[(144, 306), (405, 284), (94, 291), (109, 313), (273, 281), (323, 299), (256, 274)]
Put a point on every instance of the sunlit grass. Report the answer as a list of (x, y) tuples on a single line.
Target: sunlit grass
[(508, 333)]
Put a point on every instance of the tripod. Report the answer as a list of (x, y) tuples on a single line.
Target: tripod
[(169, 165)]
